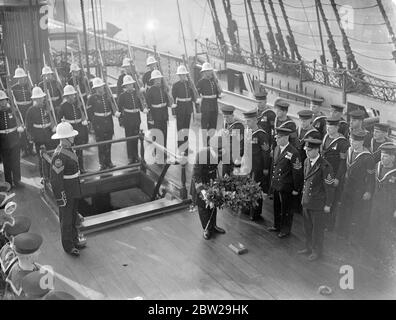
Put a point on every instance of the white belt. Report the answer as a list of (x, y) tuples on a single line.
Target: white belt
[(54, 98), (105, 114), (6, 131), (183, 99), (71, 176), (42, 126), (73, 121), (83, 94), (213, 96), (23, 103), (131, 110), (159, 105)]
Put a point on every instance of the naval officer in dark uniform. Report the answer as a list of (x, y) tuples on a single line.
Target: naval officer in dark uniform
[(205, 169), (130, 107), (101, 114), (9, 143), (260, 141), (72, 114), (287, 179), (233, 131), (318, 193), (184, 97), (65, 184)]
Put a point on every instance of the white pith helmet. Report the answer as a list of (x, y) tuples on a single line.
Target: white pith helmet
[(3, 95), (64, 130), (97, 82), (46, 70), (156, 74), (150, 60), (37, 93), (74, 67), (181, 70), (126, 62), (19, 73), (69, 90), (128, 80)]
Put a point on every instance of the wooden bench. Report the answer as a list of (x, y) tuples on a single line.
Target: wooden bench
[(126, 215)]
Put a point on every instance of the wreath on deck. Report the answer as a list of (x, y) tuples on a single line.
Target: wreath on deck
[(237, 192)]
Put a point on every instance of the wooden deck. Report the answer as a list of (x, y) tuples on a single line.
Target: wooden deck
[(165, 257)]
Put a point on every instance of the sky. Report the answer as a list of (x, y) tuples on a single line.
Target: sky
[(157, 22)]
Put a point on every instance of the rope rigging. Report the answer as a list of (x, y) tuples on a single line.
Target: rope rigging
[(351, 60), (279, 36), (290, 38), (270, 34), (232, 28), (330, 42), (216, 24), (388, 25), (256, 32)]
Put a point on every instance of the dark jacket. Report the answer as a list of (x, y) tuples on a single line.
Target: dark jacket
[(182, 90), (8, 122), (335, 152), (287, 173), (99, 106), (318, 188), (38, 124), (157, 101), (208, 88), (130, 105)]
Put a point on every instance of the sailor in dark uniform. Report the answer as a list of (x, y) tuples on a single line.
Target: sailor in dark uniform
[(358, 190), (287, 180), (282, 120), (9, 142), (319, 118), (22, 93), (380, 138), (318, 193), (205, 169), (130, 107), (77, 79), (304, 131), (38, 124), (334, 150), (102, 118), (183, 95), (336, 111), (26, 247), (233, 132), (158, 103), (383, 214), (266, 116), (72, 114), (260, 141), (208, 89), (53, 87), (7, 253), (356, 124), (65, 185)]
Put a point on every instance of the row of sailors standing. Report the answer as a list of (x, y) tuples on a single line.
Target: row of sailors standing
[(348, 167)]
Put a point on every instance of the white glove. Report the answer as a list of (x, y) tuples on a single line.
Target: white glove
[(221, 95), (54, 129), (117, 114), (84, 122), (203, 192), (142, 90), (145, 110), (199, 100), (20, 129), (174, 105)]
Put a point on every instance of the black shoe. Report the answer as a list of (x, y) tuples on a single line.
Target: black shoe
[(255, 218), (82, 171), (304, 251), (273, 229), (110, 165), (19, 185), (206, 234), (102, 168), (218, 230), (74, 252), (283, 235)]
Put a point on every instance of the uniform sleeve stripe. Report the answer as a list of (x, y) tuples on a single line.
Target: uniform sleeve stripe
[(58, 170)]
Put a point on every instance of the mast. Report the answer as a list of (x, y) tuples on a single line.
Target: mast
[(248, 26), (279, 36), (388, 25), (270, 34), (216, 24), (290, 39), (182, 30), (351, 60), (85, 36), (256, 32), (323, 56), (232, 27)]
